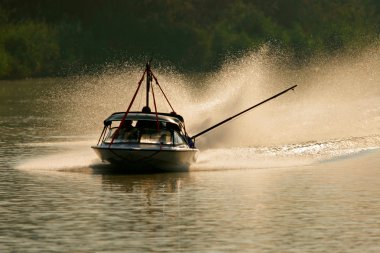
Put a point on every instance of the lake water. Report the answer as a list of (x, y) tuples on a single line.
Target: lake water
[(316, 195)]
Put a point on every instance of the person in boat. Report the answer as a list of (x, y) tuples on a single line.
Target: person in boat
[(172, 127), (190, 142), (127, 131), (147, 125), (146, 109), (173, 113)]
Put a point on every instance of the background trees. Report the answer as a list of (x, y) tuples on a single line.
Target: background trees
[(45, 37)]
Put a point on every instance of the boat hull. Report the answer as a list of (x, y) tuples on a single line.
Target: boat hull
[(148, 159)]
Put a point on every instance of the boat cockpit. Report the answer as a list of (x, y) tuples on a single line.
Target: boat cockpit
[(146, 128)]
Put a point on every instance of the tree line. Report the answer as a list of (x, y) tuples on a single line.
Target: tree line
[(62, 37)]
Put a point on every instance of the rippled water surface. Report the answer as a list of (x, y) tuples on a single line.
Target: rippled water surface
[(307, 209), (310, 195)]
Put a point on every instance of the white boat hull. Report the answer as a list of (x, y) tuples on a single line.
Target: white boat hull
[(148, 158)]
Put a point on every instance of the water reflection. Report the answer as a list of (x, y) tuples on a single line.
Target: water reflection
[(330, 206), (148, 183), (154, 194), (57, 202)]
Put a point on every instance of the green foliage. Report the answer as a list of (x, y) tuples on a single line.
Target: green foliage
[(44, 37), (27, 49)]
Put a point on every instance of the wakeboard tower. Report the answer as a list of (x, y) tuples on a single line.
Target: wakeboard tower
[(146, 140)]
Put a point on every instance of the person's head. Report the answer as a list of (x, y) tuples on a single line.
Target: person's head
[(146, 109), (171, 126), (127, 123)]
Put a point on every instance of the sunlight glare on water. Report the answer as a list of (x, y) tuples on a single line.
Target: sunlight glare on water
[(298, 174), (336, 100)]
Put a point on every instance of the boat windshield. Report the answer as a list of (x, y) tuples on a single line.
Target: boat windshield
[(145, 132)]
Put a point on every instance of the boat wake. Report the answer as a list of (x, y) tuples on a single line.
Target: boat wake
[(79, 156), (334, 113), (292, 155), (64, 156)]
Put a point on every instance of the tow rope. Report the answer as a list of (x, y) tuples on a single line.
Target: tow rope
[(129, 108), (159, 86), (149, 75)]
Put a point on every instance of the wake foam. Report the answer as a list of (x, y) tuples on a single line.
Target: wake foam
[(280, 156), (65, 156), (334, 111), (292, 155)]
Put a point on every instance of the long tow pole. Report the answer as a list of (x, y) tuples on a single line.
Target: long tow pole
[(240, 113), (148, 80)]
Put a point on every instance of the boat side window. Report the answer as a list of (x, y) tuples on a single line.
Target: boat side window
[(178, 140), (110, 134)]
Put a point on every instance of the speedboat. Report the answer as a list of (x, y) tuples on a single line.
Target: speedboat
[(140, 145), (146, 140)]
